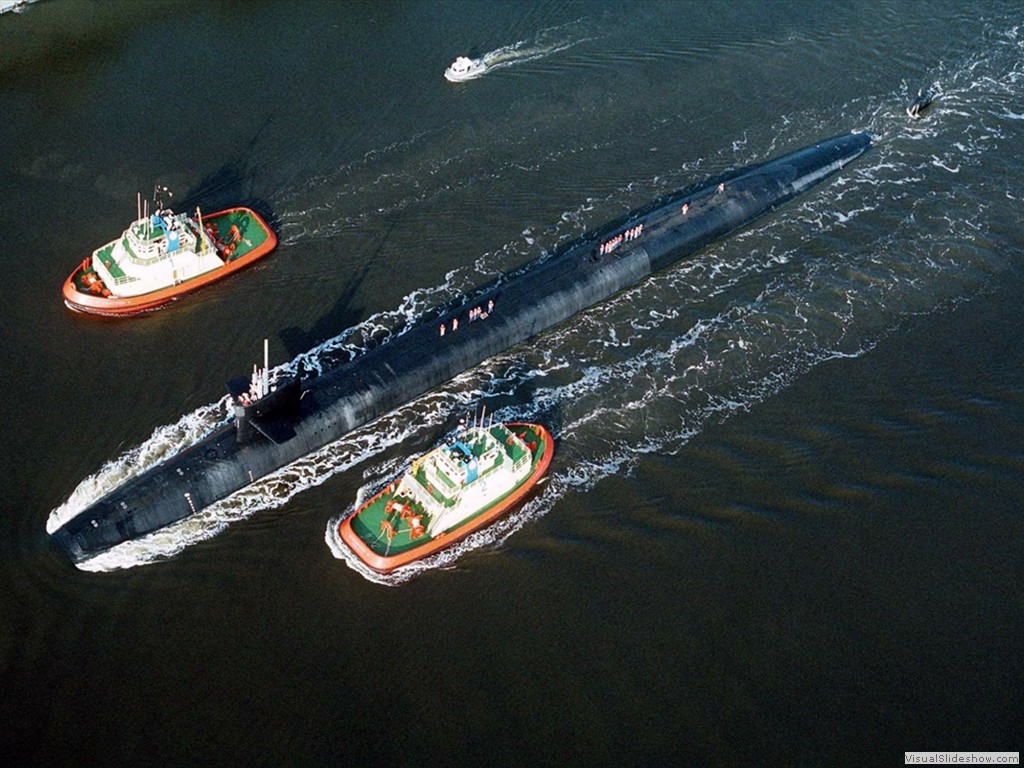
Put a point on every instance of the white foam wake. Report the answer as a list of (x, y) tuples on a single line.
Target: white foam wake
[(545, 43)]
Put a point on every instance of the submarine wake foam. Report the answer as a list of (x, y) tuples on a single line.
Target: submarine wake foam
[(164, 442)]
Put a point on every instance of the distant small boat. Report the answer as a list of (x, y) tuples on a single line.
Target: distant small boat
[(15, 6), (464, 68), (459, 487), (920, 103), (165, 255)]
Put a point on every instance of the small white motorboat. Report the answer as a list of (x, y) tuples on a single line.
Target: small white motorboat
[(464, 68)]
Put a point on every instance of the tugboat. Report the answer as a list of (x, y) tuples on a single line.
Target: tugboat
[(464, 68), (164, 255), (477, 475)]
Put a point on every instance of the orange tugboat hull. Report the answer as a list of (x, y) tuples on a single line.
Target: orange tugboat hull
[(99, 304), (388, 563)]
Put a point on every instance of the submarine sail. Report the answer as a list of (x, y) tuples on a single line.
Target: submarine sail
[(272, 429)]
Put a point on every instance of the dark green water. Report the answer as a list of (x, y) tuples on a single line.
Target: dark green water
[(783, 524)]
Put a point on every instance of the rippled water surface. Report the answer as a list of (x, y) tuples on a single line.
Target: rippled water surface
[(782, 524)]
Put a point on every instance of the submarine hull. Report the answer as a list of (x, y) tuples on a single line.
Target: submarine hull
[(514, 308)]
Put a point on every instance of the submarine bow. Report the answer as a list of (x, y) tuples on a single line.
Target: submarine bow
[(298, 418)]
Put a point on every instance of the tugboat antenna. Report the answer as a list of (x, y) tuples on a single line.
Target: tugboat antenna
[(199, 231)]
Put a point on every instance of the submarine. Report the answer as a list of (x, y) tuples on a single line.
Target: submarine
[(276, 423)]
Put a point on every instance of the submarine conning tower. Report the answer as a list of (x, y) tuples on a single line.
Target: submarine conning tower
[(266, 407), (277, 423)]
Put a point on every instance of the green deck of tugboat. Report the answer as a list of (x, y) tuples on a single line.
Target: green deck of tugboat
[(104, 256), (253, 233), (367, 523)]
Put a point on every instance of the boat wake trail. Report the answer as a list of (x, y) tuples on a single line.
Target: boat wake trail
[(547, 42)]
